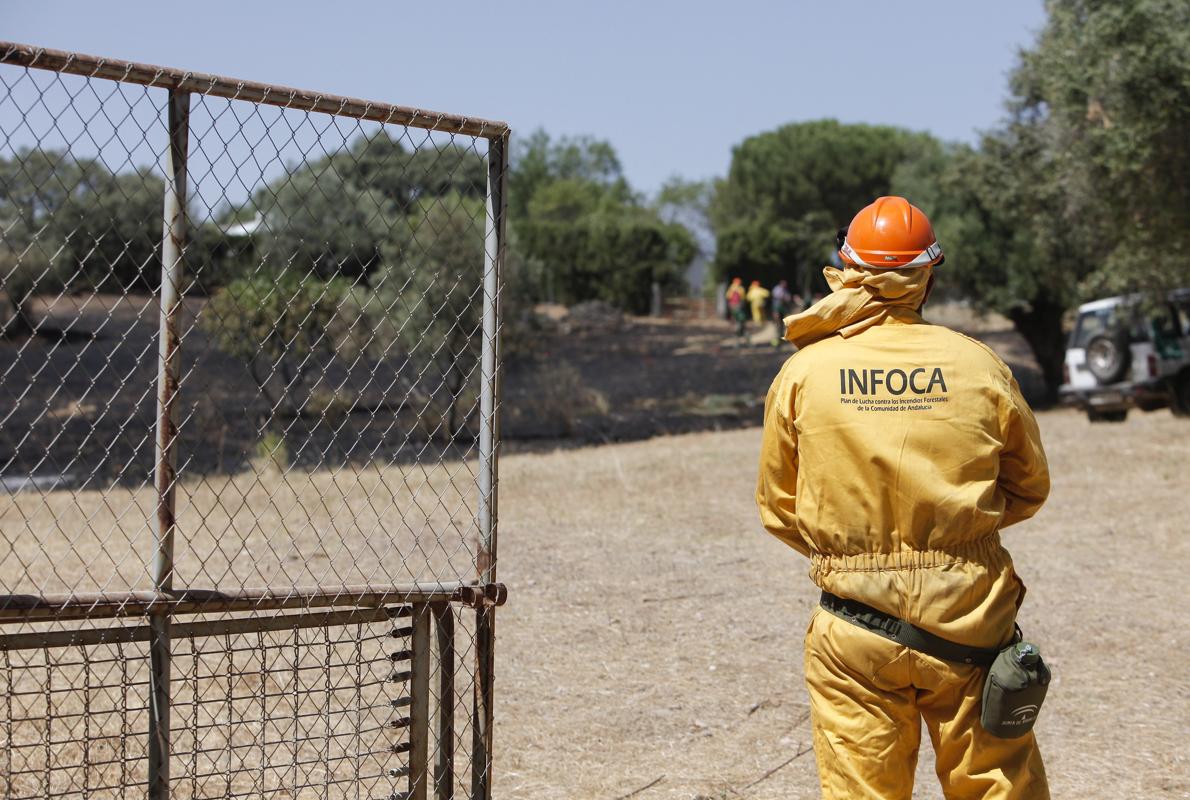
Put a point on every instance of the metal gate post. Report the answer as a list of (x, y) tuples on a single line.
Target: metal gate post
[(172, 246), (419, 707), (444, 759), (489, 440)]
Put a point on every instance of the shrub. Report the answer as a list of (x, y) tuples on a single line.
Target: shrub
[(282, 326)]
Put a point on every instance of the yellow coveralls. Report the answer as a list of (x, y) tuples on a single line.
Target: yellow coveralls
[(757, 297), (894, 451)]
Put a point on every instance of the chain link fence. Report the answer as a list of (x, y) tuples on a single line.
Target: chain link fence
[(248, 437)]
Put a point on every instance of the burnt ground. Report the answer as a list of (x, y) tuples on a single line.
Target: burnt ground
[(79, 400), (645, 377)]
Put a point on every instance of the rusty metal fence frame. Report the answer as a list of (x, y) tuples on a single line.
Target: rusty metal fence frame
[(164, 608)]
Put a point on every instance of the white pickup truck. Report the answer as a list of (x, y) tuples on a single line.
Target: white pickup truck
[(1126, 354)]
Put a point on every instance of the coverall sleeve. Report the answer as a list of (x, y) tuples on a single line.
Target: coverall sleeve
[(776, 490), (1024, 472)]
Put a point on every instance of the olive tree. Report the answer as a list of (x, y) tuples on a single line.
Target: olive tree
[(282, 326), (425, 306), (1085, 190)]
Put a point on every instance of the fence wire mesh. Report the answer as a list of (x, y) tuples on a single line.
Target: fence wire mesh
[(248, 379), (314, 710)]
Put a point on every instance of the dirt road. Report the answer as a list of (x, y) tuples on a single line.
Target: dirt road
[(653, 633)]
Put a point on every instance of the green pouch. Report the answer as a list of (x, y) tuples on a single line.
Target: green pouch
[(1014, 690)]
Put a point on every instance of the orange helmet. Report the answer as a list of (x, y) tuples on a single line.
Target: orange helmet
[(890, 234)]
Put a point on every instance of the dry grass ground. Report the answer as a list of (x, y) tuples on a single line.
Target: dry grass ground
[(295, 713), (653, 633), (651, 645)]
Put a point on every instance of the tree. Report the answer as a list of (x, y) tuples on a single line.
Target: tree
[(69, 220), (333, 215), (374, 250), (538, 160), (770, 250), (426, 302), (613, 256), (30, 265), (988, 207), (788, 190), (1106, 89), (688, 203), (1085, 190), (584, 234), (113, 231), (283, 326)]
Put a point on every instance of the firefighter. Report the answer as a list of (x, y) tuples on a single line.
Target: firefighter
[(894, 452), (736, 307), (783, 304), (758, 296)]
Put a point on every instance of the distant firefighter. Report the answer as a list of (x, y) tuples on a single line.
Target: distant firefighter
[(783, 301), (735, 305), (757, 297), (783, 306)]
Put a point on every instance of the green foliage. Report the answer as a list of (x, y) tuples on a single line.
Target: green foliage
[(373, 250), (272, 451), (117, 241), (1085, 191), (770, 250), (427, 299), (788, 190), (972, 198), (821, 166), (30, 265), (316, 221), (1104, 98), (678, 195), (688, 203), (582, 232), (613, 257), (539, 161), (69, 221), (404, 177), (335, 214), (282, 326)]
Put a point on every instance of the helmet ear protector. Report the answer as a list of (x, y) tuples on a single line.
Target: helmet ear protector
[(841, 239)]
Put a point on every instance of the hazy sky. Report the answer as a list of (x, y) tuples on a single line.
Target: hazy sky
[(673, 85)]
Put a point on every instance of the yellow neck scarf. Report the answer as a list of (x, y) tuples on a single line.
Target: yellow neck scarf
[(859, 299)]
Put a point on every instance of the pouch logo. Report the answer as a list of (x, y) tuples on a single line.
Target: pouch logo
[(1025, 713), (920, 381), (1022, 715)]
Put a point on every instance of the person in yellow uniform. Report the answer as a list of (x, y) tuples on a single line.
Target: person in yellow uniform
[(894, 453), (757, 297)]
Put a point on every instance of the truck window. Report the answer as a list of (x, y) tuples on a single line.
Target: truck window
[(1090, 324), (1108, 320)]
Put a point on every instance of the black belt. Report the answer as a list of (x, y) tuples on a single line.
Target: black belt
[(905, 633)]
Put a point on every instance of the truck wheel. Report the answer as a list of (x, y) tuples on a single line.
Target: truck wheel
[(1115, 415), (1179, 395), (1108, 356)]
